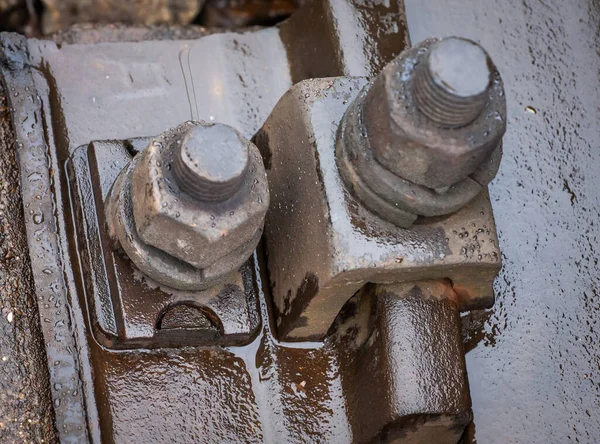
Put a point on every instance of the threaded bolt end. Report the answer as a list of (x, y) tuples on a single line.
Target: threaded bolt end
[(451, 84), (211, 162)]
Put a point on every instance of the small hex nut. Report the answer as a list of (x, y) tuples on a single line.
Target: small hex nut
[(415, 148), (203, 233)]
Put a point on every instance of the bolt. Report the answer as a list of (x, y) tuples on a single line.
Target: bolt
[(212, 162), (190, 212), (451, 84), (414, 142)]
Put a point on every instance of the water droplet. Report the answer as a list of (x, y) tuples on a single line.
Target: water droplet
[(38, 218), (34, 177), (530, 110)]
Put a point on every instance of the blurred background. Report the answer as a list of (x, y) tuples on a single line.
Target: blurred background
[(36, 18)]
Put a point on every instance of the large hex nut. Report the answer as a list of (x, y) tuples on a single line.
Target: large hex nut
[(215, 235), (409, 143), (389, 195), (162, 267)]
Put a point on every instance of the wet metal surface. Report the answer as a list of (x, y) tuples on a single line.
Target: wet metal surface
[(137, 78), (127, 309), (340, 37), (399, 163), (419, 393), (25, 399), (264, 391), (208, 239), (330, 246), (535, 371), (44, 241)]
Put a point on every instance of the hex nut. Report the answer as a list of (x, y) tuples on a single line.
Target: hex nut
[(415, 147), (160, 266), (190, 237), (198, 232)]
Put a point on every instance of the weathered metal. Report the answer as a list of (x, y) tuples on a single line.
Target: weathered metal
[(329, 38), (537, 348), (330, 245), (212, 162), (211, 393), (127, 308), (539, 345), (399, 162), (43, 240), (402, 363), (263, 391), (26, 412), (186, 216)]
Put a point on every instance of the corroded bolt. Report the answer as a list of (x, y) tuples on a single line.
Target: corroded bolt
[(425, 136), (189, 209), (451, 84), (211, 162)]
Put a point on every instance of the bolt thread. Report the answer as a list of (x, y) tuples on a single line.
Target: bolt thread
[(198, 187), (439, 104)]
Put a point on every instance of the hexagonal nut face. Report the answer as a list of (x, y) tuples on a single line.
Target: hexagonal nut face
[(413, 147), (197, 232)]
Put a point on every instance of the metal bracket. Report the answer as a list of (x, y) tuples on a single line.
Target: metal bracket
[(128, 309)]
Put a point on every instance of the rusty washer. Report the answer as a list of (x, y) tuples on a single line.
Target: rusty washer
[(190, 208), (425, 136)]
